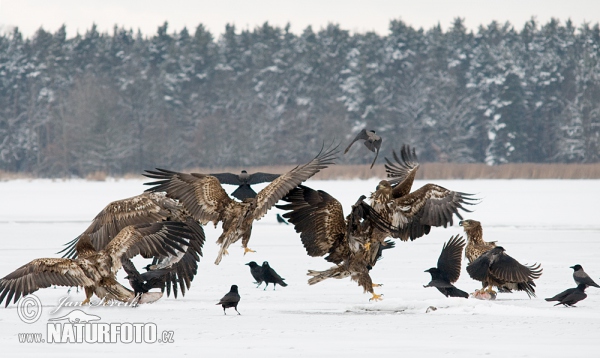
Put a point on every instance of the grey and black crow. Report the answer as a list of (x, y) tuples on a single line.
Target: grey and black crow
[(581, 277), (270, 276), (448, 269), (571, 296), (231, 299), (256, 272), (372, 141)]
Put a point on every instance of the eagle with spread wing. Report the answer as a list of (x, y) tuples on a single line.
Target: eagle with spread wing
[(148, 208), (496, 268), (412, 214), (319, 218), (93, 269), (205, 199), (447, 271), (243, 181)]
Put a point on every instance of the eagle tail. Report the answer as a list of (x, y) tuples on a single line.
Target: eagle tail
[(337, 272)]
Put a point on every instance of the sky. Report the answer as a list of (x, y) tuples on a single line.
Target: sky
[(354, 15)]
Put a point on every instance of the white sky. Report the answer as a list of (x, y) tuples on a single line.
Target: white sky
[(354, 15)]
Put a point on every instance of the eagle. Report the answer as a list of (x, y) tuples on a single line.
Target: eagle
[(243, 181), (319, 218), (147, 208), (95, 270), (372, 142), (448, 268), (413, 214), (496, 268), (475, 244), (205, 199)]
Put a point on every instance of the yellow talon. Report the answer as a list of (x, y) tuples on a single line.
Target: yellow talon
[(247, 250), (376, 297), (86, 301), (368, 246), (377, 284)]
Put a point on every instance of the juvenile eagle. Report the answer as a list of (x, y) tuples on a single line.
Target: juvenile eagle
[(319, 218), (148, 208), (413, 214), (372, 142), (93, 269), (496, 268), (243, 181), (448, 268), (475, 244), (204, 198)]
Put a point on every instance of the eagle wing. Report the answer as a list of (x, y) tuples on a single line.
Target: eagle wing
[(430, 205), (144, 208), (279, 187), (42, 273), (201, 195), (318, 217), (450, 259), (402, 173), (149, 240)]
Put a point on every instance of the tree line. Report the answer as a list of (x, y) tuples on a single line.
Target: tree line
[(124, 102)]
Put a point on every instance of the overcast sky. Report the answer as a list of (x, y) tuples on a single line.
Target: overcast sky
[(354, 15)]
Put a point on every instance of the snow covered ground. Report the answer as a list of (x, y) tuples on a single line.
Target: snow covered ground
[(554, 222)]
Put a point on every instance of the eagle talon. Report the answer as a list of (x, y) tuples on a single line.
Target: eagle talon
[(85, 302), (376, 297), (377, 284), (367, 246), (247, 250)]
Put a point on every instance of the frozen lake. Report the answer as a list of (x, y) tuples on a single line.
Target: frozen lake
[(553, 222)]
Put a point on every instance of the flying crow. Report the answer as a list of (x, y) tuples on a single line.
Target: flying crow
[(372, 141)]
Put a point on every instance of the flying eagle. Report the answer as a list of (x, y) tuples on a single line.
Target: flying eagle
[(148, 208), (475, 244), (319, 219), (243, 181), (93, 269), (448, 268), (414, 213), (372, 142), (496, 268), (204, 198)]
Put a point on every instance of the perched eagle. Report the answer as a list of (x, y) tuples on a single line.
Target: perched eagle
[(475, 244), (204, 198), (148, 208), (95, 270), (414, 213), (448, 268), (496, 268), (319, 219), (243, 181), (372, 142)]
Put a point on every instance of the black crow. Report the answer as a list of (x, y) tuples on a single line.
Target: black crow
[(581, 277), (448, 268), (270, 276), (571, 296), (281, 220), (256, 272), (142, 283), (372, 141), (231, 299), (244, 180)]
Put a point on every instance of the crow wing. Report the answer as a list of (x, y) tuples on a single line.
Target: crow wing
[(450, 259)]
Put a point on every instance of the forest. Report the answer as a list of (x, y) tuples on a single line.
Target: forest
[(122, 102)]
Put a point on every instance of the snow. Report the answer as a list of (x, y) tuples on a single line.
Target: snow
[(549, 221)]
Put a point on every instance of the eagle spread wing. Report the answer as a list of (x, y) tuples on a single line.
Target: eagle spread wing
[(42, 273), (402, 173)]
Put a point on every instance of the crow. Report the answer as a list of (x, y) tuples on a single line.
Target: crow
[(231, 299), (571, 296), (581, 277), (270, 276), (372, 141), (448, 269), (243, 181), (257, 272), (281, 220), (142, 283)]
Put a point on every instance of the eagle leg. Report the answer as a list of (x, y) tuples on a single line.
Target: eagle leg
[(376, 297), (247, 250), (377, 284), (88, 294), (367, 246)]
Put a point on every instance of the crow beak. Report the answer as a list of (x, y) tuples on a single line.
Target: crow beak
[(460, 223)]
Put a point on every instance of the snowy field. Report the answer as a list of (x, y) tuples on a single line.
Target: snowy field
[(554, 222)]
